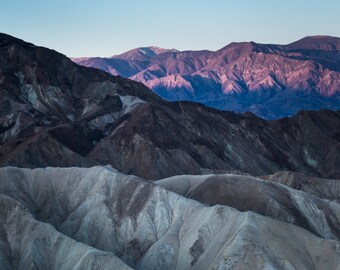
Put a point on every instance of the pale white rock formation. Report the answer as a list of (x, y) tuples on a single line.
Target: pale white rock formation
[(323, 188), (247, 193), (26, 243), (146, 226)]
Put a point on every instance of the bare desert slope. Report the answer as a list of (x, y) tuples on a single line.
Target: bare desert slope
[(96, 217)]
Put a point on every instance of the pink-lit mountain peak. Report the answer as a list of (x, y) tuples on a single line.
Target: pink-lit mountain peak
[(142, 53), (242, 76)]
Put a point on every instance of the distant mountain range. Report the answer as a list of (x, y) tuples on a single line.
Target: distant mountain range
[(272, 81), (57, 113)]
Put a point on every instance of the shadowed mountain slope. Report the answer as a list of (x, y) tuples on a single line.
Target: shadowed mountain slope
[(57, 113)]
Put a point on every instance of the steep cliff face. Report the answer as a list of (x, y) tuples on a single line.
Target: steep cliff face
[(271, 81), (56, 113), (110, 215)]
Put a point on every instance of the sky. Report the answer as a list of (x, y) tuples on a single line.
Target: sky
[(107, 27)]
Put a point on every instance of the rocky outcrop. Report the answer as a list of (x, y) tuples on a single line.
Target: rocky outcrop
[(109, 214), (271, 81)]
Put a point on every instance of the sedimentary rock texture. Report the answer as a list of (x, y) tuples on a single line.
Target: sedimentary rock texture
[(271, 81), (247, 193), (328, 189), (147, 227), (29, 244)]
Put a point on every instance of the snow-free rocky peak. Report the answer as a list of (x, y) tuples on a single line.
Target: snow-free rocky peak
[(269, 80)]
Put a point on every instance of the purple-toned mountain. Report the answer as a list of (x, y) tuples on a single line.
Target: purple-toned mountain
[(271, 81)]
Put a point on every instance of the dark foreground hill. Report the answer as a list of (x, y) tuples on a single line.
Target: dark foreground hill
[(57, 113)]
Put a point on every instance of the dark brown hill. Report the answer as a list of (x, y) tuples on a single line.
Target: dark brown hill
[(57, 113)]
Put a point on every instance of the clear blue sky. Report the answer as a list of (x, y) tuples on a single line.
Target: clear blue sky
[(107, 27)]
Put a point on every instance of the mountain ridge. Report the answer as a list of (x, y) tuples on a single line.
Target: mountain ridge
[(242, 76), (57, 113)]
